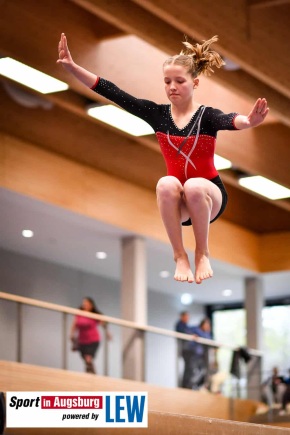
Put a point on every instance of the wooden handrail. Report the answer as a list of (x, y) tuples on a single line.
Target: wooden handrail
[(120, 322)]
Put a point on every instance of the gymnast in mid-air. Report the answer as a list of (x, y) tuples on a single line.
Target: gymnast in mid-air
[(192, 192)]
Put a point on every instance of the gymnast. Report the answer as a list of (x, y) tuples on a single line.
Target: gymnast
[(192, 192)]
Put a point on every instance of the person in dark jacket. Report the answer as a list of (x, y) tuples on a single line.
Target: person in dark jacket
[(194, 354)]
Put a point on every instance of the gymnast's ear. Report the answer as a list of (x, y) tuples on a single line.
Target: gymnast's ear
[(195, 83)]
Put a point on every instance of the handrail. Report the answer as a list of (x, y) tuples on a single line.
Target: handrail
[(120, 322)]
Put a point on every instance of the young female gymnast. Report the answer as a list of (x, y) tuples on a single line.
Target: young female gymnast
[(192, 192)]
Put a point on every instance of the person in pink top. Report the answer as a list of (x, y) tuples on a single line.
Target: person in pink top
[(85, 333)]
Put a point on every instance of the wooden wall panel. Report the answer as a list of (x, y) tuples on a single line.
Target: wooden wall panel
[(275, 252), (237, 245)]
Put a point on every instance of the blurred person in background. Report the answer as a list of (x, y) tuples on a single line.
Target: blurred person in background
[(273, 388), (194, 354), (85, 334), (286, 395)]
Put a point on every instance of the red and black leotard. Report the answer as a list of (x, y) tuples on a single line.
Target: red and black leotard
[(184, 159)]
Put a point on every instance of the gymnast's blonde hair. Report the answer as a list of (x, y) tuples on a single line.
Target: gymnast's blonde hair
[(197, 59)]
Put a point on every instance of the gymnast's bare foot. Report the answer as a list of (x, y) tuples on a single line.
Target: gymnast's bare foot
[(203, 268), (183, 272)]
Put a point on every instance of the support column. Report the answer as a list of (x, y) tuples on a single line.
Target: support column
[(254, 302), (133, 305)]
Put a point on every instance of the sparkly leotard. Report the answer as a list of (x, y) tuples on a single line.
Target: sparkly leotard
[(184, 156)]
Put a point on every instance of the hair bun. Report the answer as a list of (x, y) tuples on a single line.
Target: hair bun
[(204, 59)]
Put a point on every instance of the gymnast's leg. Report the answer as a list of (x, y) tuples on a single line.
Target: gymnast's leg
[(171, 206), (203, 201)]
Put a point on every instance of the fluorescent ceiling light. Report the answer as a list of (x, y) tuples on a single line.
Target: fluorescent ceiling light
[(121, 119), (265, 187), (221, 163), (30, 77)]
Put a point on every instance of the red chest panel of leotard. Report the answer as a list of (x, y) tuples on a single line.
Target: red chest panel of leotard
[(193, 159)]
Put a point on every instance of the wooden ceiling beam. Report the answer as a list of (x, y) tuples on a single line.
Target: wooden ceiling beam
[(263, 150), (41, 51), (267, 3), (249, 41), (30, 31), (232, 180), (252, 211), (131, 18), (249, 87), (142, 23), (83, 139)]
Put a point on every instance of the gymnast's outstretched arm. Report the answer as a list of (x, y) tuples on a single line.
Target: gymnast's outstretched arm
[(66, 60)]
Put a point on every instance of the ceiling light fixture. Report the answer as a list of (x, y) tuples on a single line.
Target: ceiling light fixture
[(120, 119), (186, 299), (221, 163), (265, 187), (101, 255), (27, 233), (30, 77), (227, 292), (164, 274)]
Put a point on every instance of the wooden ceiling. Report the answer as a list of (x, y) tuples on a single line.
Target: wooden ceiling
[(126, 41)]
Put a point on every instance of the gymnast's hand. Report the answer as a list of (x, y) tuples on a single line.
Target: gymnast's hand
[(64, 56), (258, 113), (255, 117)]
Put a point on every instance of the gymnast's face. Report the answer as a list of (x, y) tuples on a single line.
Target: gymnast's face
[(179, 84)]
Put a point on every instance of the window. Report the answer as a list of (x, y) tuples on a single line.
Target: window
[(229, 327)]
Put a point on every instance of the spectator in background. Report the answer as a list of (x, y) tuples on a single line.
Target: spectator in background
[(201, 364), (185, 349), (286, 395), (273, 388), (85, 334), (193, 353)]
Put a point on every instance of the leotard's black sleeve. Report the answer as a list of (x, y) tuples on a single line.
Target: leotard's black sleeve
[(216, 120), (156, 115), (144, 109)]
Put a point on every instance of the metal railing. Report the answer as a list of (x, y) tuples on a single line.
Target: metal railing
[(253, 369)]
